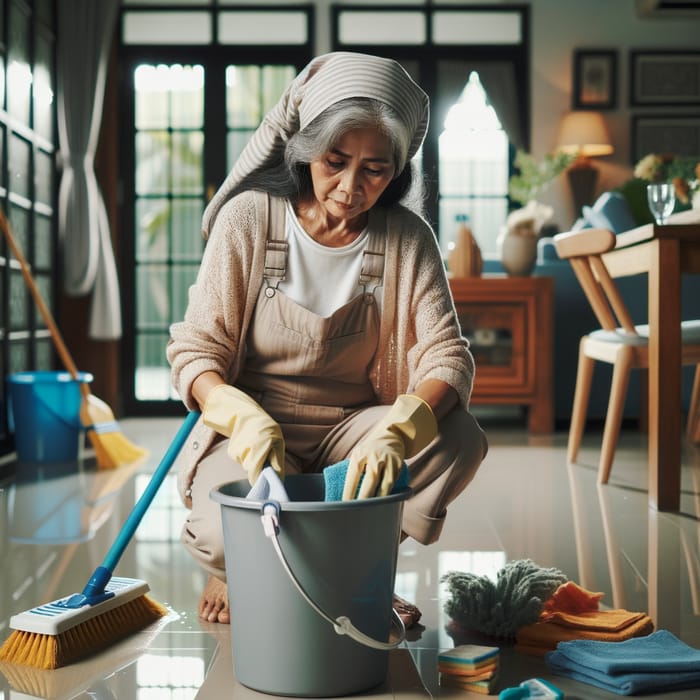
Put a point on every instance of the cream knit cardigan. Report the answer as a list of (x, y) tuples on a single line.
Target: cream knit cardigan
[(419, 336)]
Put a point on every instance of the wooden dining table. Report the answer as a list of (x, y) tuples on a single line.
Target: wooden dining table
[(664, 253)]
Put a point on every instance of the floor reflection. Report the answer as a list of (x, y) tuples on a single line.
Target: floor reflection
[(56, 526), (64, 502), (648, 560)]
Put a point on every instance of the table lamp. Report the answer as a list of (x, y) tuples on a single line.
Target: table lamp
[(584, 134)]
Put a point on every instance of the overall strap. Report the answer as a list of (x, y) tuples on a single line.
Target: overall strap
[(372, 271), (276, 246)]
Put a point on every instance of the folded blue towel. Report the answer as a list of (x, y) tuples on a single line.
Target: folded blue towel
[(657, 662), (334, 477)]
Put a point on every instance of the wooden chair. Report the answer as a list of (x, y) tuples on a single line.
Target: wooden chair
[(618, 342)]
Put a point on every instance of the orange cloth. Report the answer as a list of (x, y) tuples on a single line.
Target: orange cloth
[(544, 636), (571, 598), (600, 620), (572, 613)]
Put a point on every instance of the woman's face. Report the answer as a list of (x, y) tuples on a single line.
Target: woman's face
[(348, 179)]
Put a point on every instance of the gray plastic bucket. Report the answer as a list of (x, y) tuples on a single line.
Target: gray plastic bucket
[(343, 556)]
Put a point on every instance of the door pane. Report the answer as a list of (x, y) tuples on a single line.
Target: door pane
[(169, 184), (169, 145), (251, 92), (263, 27), (166, 28)]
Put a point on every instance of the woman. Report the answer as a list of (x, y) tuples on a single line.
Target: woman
[(321, 325)]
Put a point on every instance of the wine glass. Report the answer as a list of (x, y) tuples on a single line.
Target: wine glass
[(661, 197)]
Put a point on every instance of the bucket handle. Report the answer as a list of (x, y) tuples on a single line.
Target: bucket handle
[(269, 515)]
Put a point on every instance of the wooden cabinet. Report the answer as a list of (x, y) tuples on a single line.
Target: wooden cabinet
[(509, 324)]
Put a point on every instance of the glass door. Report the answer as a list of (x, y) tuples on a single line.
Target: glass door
[(190, 123)]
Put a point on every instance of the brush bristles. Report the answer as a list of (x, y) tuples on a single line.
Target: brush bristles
[(114, 449), (45, 651), (35, 682)]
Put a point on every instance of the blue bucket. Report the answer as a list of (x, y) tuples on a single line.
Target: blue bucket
[(44, 414)]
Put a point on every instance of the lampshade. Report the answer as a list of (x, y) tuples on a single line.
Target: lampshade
[(585, 134)]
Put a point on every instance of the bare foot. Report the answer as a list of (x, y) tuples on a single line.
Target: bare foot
[(213, 605), (408, 612)]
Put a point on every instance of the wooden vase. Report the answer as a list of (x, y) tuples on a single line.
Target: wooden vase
[(464, 260)]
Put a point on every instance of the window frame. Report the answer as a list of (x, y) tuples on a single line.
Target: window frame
[(428, 56), (34, 221), (215, 58)]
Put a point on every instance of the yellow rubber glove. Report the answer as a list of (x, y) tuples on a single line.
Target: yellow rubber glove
[(255, 439), (407, 428)]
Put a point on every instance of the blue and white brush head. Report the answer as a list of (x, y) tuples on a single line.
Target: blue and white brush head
[(54, 618)]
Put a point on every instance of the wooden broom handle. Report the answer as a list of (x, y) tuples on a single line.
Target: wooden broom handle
[(48, 318)]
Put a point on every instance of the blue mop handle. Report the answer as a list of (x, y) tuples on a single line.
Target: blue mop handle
[(95, 587)]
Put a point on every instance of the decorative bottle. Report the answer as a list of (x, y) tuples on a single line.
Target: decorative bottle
[(464, 258)]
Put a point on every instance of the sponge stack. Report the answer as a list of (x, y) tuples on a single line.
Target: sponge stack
[(470, 667)]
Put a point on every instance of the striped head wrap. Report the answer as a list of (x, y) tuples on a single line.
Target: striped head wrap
[(324, 81)]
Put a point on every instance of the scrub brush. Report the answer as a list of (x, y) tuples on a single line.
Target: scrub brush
[(108, 609)]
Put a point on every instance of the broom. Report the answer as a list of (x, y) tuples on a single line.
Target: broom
[(108, 609), (111, 447)]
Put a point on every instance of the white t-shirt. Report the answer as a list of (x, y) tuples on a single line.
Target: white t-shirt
[(319, 278)]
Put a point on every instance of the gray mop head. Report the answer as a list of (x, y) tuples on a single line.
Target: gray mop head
[(498, 610)]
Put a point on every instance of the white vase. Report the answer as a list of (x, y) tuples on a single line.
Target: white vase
[(518, 251)]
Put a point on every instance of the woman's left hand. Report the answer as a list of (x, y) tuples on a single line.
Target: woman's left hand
[(406, 429)]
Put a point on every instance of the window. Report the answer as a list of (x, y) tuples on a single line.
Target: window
[(169, 155), (169, 182), (473, 156), (474, 64), (251, 92), (223, 67), (27, 182), (189, 109)]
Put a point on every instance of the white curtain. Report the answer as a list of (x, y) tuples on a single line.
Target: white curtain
[(85, 32)]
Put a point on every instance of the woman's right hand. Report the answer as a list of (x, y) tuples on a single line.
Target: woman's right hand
[(255, 439)]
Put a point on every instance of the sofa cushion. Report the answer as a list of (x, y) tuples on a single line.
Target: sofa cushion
[(610, 211)]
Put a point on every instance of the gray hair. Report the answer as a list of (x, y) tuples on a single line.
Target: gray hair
[(321, 135), (293, 179), (325, 81)]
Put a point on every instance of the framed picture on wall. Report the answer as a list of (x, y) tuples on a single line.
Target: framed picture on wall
[(665, 134), (664, 78), (595, 79)]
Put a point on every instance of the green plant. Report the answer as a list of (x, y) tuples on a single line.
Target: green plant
[(534, 175), (682, 171)]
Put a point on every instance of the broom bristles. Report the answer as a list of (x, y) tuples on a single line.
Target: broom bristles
[(46, 651), (112, 449)]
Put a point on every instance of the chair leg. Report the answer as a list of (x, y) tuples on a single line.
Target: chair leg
[(616, 404), (693, 426), (582, 392)]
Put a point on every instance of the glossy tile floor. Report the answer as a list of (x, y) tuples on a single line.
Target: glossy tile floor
[(57, 523)]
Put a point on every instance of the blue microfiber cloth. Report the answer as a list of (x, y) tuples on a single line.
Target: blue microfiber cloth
[(334, 476), (655, 663), (268, 486)]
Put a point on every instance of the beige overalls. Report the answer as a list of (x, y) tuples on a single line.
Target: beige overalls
[(311, 375)]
